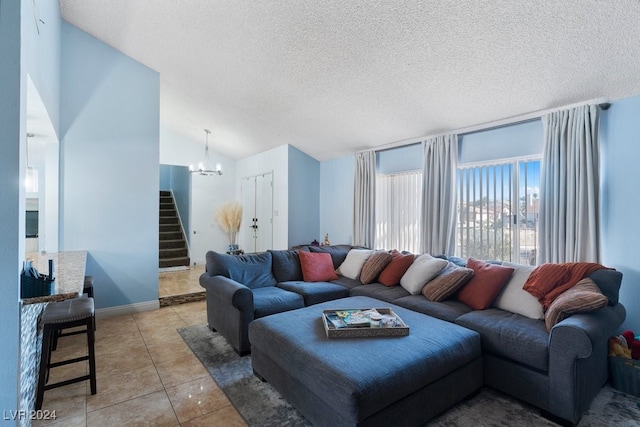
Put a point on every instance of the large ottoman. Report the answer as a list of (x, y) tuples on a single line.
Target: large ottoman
[(366, 381)]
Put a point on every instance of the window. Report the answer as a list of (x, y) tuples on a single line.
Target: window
[(398, 211), (498, 207)]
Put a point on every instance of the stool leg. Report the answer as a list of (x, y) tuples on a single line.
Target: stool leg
[(92, 354), (44, 366)]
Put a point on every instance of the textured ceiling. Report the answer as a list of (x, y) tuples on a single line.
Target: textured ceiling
[(331, 77)]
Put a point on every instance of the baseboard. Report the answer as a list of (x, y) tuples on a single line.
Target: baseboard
[(103, 313)]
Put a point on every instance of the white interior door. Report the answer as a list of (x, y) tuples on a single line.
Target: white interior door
[(264, 212), (246, 238), (256, 234)]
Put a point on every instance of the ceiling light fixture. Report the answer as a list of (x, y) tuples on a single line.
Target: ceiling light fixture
[(204, 168)]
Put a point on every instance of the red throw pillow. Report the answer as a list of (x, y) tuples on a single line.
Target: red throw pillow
[(485, 285), (394, 271), (317, 267)]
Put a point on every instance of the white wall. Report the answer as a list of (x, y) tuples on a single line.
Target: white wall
[(275, 160)]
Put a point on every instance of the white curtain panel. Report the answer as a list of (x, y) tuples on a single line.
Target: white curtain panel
[(398, 200), (364, 219), (569, 187), (438, 213)]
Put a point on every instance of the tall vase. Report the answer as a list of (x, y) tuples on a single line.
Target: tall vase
[(233, 245)]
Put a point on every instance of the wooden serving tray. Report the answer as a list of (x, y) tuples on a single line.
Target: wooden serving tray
[(399, 330)]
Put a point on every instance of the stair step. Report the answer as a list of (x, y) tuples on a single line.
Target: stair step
[(170, 227), (164, 193), (168, 205), (174, 262), (170, 235), (172, 244), (173, 253), (169, 220), (167, 212)]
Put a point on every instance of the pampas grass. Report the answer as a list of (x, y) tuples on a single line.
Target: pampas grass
[(229, 217)]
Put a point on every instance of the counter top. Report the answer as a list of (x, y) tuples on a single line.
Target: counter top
[(69, 272)]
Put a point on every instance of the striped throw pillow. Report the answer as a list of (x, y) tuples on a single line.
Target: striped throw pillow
[(373, 266)]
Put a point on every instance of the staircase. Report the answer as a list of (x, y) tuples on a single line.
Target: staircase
[(173, 246)]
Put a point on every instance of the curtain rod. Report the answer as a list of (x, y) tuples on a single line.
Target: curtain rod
[(496, 124)]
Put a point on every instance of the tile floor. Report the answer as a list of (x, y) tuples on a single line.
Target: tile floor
[(146, 374), (180, 282)]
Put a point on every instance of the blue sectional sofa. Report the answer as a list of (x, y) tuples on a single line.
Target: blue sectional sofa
[(559, 371)]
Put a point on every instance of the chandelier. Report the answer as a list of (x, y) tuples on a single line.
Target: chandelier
[(204, 168)]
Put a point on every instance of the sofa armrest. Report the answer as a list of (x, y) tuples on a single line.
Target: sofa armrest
[(229, 309), (578, 360), (578, 333), (228, 291)]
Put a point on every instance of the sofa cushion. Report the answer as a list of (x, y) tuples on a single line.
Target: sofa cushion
[(316, 267), (338, 252), (608, 281), (271, 300), (487, 282), (515, 299), (352, 264), (447, 282), (286, 265), (446, 310), (423, 269), (252, 270), (316, 292), (347, 283), (394, 271), (380, 291), (583, 297), (374, 265), (510, 335)]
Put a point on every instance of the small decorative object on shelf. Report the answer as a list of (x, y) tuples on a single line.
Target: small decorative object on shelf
[(326, 239)]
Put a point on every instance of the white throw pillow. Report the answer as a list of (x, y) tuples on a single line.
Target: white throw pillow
[(424, 268), (515, 299), (353, 263)]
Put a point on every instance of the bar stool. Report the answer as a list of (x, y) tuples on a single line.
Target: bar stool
[(88, 286), (63, 315), (87, 290)]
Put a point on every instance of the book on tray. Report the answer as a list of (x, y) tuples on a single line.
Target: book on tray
[(351, 318)]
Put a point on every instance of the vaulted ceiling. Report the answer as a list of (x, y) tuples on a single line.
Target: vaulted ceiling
[(331, 77)]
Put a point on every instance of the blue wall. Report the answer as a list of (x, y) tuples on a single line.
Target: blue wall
[(519, 140), (12, 121), (304, 197), (165, 177), (400, 159), (109, 126), (178, 180), (181, 186), (620, 200), (336, 199)]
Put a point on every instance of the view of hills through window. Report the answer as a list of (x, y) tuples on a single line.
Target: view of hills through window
[(498, 207)]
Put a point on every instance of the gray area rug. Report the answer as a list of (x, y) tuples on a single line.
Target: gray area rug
[(261, 405)]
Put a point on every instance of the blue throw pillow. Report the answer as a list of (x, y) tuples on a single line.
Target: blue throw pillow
[(252, 270), (286, 265)]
